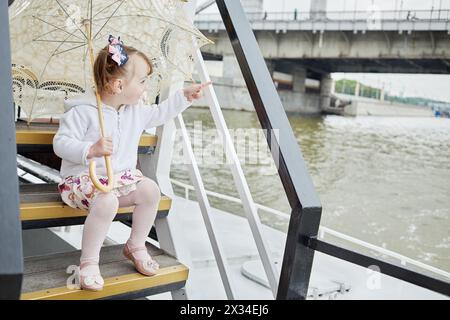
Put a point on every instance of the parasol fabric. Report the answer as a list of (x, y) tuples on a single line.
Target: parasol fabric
[(49, 45)]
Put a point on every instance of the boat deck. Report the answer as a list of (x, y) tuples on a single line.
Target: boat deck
[(331, 278)]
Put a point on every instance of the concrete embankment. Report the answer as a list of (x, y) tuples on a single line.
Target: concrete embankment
[(370, 107), (234, 96)]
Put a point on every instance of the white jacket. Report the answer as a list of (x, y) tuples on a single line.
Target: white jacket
[(79, 129)]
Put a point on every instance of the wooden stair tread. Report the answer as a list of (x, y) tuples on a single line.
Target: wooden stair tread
[(43, 201), (42, 134), (45, 276)]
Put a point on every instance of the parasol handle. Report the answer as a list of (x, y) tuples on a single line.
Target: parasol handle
[(92, 166), (96, 181)]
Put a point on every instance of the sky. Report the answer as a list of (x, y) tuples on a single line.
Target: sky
[(428, 86)]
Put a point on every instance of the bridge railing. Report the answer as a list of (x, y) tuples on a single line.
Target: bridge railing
[(381, 15)]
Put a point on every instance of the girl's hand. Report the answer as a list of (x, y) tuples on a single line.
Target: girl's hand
[(194, 92), (103, 147)]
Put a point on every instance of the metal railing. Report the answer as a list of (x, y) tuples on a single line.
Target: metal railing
[(302, 237), (239, 180), (204, 5), (403, 260), (382, 15), (205, 209), (11, 256), (305, 204)]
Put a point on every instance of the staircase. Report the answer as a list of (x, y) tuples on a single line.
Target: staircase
[(51, 276)]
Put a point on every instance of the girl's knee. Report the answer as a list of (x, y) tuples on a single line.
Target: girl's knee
[(148, 190), (106, 200)]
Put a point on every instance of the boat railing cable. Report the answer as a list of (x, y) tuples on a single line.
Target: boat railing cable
[(404, 260)]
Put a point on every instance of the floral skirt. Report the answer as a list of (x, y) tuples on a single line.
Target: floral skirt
[(79, 191)]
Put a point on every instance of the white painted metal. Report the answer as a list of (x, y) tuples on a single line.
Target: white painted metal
[(324, 230), (204, 5), (238, 177), (34, 178), (205, 209), (28, 177), (45, 173), (403, 259)]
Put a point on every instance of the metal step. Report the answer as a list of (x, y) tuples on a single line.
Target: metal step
[(35, 172), (41, 207), (44, 241), (45, 277), (38, 137)]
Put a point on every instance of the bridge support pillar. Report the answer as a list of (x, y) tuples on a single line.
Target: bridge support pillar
[(232, 71), (333, 86), (299, 79), (271, 66), (326, 84)]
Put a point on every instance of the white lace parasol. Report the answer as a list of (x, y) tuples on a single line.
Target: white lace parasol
[(50, 53)]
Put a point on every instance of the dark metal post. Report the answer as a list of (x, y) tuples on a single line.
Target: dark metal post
[(405, 273), (11, 258), (306, 208), (305, 217)]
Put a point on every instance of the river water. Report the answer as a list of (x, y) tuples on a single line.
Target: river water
[(383, 180)]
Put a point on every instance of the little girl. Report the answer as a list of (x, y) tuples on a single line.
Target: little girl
[(120, 74)]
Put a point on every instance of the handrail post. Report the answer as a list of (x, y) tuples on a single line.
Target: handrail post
[(205, 209), (11, 256), (240, 182), (305, 217)]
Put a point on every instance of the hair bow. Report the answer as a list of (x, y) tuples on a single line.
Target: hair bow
[(117, 51)]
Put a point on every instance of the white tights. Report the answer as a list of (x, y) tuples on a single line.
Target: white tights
[(146, 200)]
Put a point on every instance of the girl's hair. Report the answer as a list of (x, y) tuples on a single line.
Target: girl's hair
[(106, 69)]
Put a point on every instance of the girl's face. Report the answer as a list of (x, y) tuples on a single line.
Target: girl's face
[(134, 87)]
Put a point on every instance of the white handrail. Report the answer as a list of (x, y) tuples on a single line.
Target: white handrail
[(204, 5), (240, 181), (205, 209), (403, 259), (324, 230)]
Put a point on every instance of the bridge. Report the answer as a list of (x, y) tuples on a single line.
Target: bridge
[(315, 43)]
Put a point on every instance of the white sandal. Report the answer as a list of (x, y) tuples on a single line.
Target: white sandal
[(91, 282)]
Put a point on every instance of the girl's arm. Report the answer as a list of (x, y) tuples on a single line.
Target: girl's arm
[(67, 142), (156, 115)]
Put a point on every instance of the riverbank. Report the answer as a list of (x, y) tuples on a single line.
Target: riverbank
[(235, 96), (361, 106), (232, 94)]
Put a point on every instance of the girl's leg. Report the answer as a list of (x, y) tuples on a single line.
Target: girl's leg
[(146, 199), (98, 221)]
